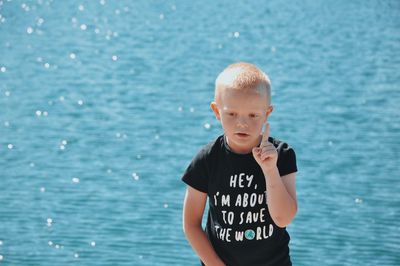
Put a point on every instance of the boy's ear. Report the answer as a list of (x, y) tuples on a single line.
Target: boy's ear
[(268, 112), (214, 108), (270, 109)]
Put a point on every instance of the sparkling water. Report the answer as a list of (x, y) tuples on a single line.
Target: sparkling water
[(104, 103)]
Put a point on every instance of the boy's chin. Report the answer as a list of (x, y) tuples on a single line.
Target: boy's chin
[(241, 146)]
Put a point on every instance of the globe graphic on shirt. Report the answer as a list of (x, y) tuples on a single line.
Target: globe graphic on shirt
[(249, 234)]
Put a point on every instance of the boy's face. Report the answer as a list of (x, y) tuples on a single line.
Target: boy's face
[(242, 114)]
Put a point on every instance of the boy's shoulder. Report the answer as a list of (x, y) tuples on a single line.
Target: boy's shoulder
[(279, 143), (211, 147), (200, 168), (286, 156)]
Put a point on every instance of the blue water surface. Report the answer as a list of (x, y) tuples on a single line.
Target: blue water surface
[(104, 103)]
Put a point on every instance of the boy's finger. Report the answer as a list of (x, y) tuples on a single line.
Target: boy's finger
[(265, 133), (256, 152)]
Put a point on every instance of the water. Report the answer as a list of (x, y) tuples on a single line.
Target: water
[(104, 103)]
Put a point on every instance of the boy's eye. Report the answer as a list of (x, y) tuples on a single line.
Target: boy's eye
[(231, 114), (253, 115)]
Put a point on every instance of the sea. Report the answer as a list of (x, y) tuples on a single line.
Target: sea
[(103, 104)]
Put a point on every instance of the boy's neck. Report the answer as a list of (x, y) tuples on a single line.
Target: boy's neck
[(244, 151)]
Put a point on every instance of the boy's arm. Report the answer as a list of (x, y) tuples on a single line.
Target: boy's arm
[(193, 209), (281, 191), (281, 197)]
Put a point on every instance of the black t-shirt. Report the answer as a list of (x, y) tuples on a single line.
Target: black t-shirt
[(239, 225)]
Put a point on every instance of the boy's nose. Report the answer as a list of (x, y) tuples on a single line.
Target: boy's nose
[(241, 122)]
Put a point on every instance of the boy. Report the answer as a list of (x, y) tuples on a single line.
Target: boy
[(248, 177)]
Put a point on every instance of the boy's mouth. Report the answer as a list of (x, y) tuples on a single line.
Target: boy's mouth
[(241, 135)]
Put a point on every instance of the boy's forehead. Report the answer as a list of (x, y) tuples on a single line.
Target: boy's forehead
[(230, 98), (230, 107), (258, 91), (259, 88)]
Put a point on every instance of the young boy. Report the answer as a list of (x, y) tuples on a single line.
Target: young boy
[(248, 177)]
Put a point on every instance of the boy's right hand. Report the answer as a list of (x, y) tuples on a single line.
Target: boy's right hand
[(266, 154)]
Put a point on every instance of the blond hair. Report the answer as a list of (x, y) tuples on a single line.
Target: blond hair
[(243, 76)]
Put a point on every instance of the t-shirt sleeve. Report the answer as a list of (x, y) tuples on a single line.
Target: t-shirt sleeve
[(196, 174), (286, 159)]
